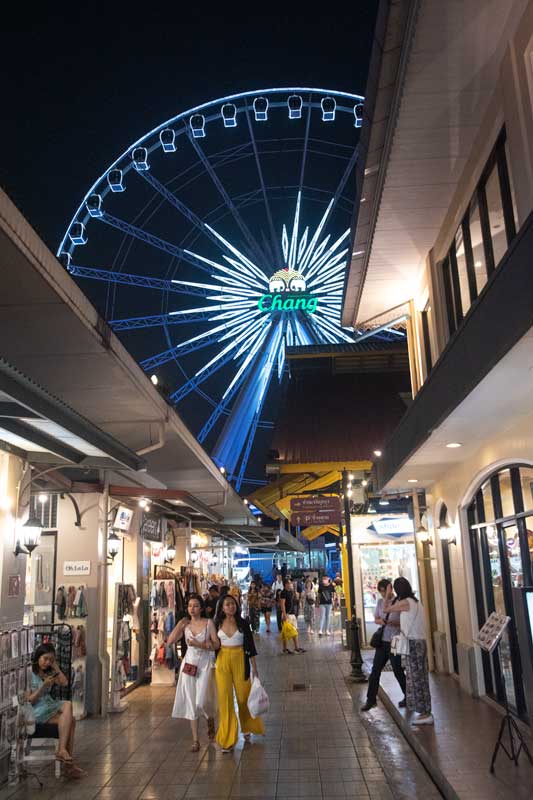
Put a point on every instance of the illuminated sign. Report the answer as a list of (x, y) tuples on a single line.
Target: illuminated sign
[(287, 293)]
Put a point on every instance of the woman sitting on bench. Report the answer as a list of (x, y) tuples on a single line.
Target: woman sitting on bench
[(47, 709)]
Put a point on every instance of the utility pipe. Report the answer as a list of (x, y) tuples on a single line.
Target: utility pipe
[(103, 655), (156, 445), (423, 579)]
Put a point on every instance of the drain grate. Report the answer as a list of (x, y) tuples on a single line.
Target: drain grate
[(299, 687)]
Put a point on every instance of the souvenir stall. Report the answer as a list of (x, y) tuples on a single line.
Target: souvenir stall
[(71, 608), (123, 674), (17, 643), (167, 606)]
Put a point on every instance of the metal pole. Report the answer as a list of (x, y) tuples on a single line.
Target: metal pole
[(356, 659)]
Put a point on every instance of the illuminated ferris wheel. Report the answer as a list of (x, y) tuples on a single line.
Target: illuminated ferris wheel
[(217, 240)]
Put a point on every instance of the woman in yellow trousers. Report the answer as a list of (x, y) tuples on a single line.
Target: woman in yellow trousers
[(234, 660)]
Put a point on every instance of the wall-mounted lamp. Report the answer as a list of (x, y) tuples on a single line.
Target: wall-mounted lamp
[(423, 535), (31, 535), (447, 534), (113, 545), (170, 547)]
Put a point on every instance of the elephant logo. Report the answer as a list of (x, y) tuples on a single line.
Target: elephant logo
[(287, 280)]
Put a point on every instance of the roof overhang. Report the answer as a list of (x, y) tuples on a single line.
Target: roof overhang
[(433, 73)]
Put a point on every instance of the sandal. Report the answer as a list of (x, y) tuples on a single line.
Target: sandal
[(75, 772), (195, 747), (64, 760)]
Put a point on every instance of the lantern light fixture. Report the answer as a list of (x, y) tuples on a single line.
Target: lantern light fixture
[(113, 545), (31, 536)]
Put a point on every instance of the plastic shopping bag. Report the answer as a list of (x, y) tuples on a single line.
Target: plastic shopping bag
[(206, 698), (258, 702), (288, 631)]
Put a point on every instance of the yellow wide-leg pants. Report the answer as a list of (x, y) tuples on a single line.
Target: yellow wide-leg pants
[(229, 674)]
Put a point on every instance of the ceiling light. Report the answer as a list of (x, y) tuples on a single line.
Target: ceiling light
[(245, 501), (377, 453), (364, 482), (372, 510), (223, 470), (259, 519), (478, 264), (42, 498), (351, 477), (384, 502), (143, 502), (154, 379), (412, 480), (349, 493), (454, 444)]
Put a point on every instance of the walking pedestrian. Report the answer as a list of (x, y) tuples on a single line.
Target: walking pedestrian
[(253, 599), (325, 600), (289, 605), (390, 626), (235, 661), (195, 692), (267, 602), (413, 632), (277, 586), (309, 599)]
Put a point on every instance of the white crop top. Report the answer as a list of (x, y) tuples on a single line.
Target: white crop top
[(237, 640), (412, 622)]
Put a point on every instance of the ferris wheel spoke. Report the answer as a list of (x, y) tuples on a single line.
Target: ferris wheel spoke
[(110, 276), (274, 238), (306, 144), (252, 244), (158, 320), (154, 241), (171, 198), (179, 350)]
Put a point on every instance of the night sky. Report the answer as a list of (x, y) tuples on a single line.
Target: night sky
[(76, 95)]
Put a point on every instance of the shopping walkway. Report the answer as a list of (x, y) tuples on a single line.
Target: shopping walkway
[(316, 744)]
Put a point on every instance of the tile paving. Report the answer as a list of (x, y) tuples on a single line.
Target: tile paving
[(316, 745)]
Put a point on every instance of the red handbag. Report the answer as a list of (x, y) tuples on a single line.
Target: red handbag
[(190, 669)]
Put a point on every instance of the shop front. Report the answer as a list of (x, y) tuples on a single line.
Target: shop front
[(382, 548)]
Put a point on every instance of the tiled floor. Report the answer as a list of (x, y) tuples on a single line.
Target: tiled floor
[(316, 744), (460, 745)]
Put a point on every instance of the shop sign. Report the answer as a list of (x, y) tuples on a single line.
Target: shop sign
[(75, 568), (287, 289), (393, 527), (315, 504), (327, 517), (123, 519), (151, 529)]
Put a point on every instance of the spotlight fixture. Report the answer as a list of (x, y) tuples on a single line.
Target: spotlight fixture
[(377, 453), (372, 510), (453, 445), (143, 502), (223, 470), (113, 545), (42, 498), (245, 501), (259, 519), (364, 482), (154, 379), (412, 480), (351, 477), (384, 502)]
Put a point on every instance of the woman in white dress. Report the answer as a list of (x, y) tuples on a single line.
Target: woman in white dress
[(196, 690)]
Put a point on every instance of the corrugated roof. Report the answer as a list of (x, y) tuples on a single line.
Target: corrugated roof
[(366, 346)]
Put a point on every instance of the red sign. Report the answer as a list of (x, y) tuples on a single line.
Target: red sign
[(304, 518), (315, 504)]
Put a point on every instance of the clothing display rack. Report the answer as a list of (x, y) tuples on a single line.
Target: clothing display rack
[(17, 643), (71, 607), (121, 671), (167, 606)]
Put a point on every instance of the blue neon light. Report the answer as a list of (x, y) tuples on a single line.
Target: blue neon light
[(328, 109), (295, 103), (77, 233), (197, 123), (358, 114), (167, 137), (261, 109), (229, 115), (94, 205), (140, 159), (115, 181)]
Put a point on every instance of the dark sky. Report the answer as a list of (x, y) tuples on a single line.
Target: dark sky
[(75, 95)]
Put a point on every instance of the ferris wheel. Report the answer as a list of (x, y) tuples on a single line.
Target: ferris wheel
[(218, 239)]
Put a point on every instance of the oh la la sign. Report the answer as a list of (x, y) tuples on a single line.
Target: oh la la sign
[(73, 569)]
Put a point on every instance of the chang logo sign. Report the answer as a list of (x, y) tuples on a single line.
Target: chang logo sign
[(287, 293)]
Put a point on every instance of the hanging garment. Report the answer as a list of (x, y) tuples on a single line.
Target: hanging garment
[(61, 603), (137, 610), (154, 623), (163, 600), (170, 623), (154, 596), (71, 596), (80, 604), (171, 594)]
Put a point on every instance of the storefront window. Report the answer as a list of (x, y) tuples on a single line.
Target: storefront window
[(384, 561), (506, 493), (496, 219), (478, 249), (511, 186), (488, 505), (526, 480)]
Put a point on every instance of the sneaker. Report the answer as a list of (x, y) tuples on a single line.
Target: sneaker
[(328, 633), (402, 703), (429, 720), (367, 706), (227, 749)]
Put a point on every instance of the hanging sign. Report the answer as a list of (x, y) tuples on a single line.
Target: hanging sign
[(151, 528), (123, 519), (314, 504), (393, 528), (304, 518), (287, 292), (75, 568)]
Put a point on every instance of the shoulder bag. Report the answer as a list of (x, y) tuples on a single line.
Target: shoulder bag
[(399, 645), (377, 637)]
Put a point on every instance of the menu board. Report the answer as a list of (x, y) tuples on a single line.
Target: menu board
[(492, 631)]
